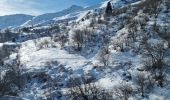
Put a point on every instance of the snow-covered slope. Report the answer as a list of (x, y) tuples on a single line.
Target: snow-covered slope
[(13, 20), (112, 56), (49, 16), (118, 3)]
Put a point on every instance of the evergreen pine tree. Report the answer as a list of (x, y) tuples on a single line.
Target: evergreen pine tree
[(108, 9)]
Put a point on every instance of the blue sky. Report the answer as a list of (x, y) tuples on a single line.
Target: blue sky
[(37, 7)]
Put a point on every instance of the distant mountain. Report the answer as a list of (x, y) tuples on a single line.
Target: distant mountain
[(26, 20), (49, 16), (13, 20)]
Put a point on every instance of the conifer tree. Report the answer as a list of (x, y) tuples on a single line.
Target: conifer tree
[(108, 9)]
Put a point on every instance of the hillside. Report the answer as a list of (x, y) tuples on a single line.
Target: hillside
[(118, 50), (49, 16)]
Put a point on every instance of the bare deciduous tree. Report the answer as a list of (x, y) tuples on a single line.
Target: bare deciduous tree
[(78, 38), (133, 30), (155, 61), (104, 56), (62, 40), (153, 6)]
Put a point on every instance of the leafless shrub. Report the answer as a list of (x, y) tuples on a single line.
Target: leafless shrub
[(123, 91), (62, 40), (93, 22), (7, 35), (80, 90), (119, 11), (153, 8), (155, 61), (104, 56), (142, 82), (118, 44), (4, 53), (132, 29), (41, 76), (101, 21), (164, 33), (106, 40), (44, 44)]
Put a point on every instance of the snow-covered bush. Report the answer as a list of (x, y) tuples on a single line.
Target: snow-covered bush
[(92, 22), (62, 39), (104, 56), (123, 91), (154, 61), (88, 32), (7, 35), (119, 11), (164, 32), (118, 44), (132, 30), (142, 82), (41, 77), (11, 81), (5, 51), (44, 44), (153, 7), (102, 21), (81, 90)]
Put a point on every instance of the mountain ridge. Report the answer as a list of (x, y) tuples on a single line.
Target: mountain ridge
[(13, 20)]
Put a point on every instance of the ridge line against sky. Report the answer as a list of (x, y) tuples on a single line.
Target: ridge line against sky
[(37, 7)]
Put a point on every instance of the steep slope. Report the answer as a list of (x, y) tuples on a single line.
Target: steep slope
[(13, 20)]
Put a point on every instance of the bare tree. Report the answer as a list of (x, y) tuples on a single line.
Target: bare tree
[(87, 34), (44, 44), (63, 39), (132, 29), (78, 38), (155, 61), (153, 6), (104, 56)]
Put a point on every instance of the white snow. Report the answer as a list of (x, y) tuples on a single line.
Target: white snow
[(32, 58), (36, 60)]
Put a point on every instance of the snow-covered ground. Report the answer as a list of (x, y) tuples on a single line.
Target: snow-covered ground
[(47, 66)]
